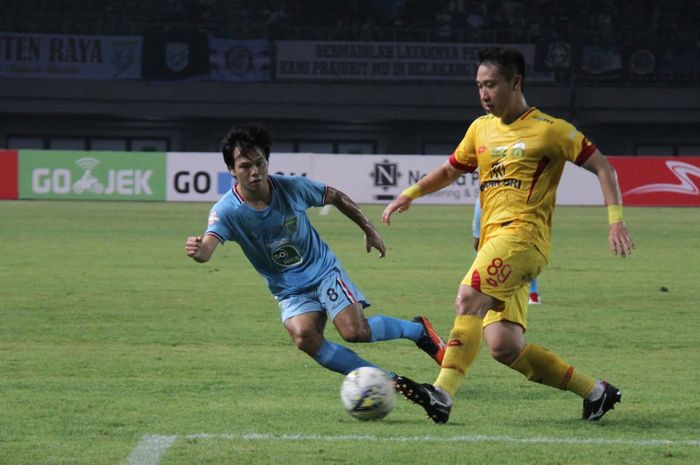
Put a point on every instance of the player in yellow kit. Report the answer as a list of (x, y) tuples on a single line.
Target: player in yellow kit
[(520, 154)]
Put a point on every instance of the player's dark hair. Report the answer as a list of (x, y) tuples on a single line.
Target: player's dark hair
[(247, 138), (510, 61)]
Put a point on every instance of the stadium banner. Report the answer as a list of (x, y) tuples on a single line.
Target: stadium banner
[(66, 174), (67, 56), (203, 177), (601, 62), (375, 179), (658, 181), (239, 60), (175, 55), (8, 175), (387, 60)]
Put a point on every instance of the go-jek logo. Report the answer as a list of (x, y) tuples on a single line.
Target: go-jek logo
[(116, 181)]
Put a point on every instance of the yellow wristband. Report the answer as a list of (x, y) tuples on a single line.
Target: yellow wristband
[(614, 214), (413, 192)]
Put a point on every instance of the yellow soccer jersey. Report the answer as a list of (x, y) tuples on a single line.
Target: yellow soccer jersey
[(520, 165)]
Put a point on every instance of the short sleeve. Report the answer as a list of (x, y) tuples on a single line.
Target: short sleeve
[(570, 143), (216, 226), (464, 156), (307, 192)]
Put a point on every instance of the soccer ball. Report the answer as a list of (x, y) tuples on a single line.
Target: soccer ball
[(368, 394)]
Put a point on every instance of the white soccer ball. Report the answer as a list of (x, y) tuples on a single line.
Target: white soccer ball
[(368, 393)]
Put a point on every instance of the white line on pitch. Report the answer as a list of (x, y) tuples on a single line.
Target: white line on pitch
[(149, 450), (152, 447), (472, 438)]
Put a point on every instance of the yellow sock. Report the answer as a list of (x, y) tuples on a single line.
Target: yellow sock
[(542, 366), (462, 348)]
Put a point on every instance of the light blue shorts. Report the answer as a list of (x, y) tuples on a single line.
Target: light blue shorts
[(332, 295)]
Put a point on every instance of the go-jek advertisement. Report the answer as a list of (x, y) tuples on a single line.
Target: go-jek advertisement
[(91, 175)]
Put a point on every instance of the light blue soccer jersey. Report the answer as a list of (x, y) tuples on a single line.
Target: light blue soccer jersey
[(280, 241)]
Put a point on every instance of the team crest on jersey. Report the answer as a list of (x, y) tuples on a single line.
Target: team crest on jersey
[(213, 217), (518, 150), (290, 225)]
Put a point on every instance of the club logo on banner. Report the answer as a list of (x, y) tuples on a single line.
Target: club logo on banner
[(177, 55), (558, 55), (239, 60)]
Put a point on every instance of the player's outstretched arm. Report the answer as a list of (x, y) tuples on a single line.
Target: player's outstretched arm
[(438, 178), (350, 209), (201, 248), (618, 237)]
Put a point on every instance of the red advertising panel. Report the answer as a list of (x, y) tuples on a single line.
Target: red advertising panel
[(663, 181), (8, 174)]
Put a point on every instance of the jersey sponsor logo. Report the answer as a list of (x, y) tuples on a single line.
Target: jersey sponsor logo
[(508, 182), (516, 150), (482, 149), (544, 119), (287, 256), (497, 171), (499, 152)]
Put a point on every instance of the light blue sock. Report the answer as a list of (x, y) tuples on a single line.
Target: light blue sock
[(386, 328), (533, 286), (339, 358)]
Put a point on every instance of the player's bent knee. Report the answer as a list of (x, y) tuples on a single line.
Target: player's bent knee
[(308, 342), (355, 333), (469, 301), (505, 352)]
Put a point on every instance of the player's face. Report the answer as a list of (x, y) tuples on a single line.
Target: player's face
[(250, 169), (497, 94)]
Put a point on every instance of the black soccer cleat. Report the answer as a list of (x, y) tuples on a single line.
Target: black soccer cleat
[(432, 344), (593, 410), (436, 403)]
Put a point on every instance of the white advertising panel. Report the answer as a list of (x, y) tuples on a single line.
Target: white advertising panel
[(381, 178), (579, 187), (202, 177)]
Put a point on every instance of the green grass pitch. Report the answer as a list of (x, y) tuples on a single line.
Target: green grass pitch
[(115, 348)]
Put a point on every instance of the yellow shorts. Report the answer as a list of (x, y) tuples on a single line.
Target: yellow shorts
[(503, 269)]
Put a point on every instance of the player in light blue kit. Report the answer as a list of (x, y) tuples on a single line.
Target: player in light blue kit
[(266, 215), (534, 292)]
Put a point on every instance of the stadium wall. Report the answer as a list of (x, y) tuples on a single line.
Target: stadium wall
[(202, 177)]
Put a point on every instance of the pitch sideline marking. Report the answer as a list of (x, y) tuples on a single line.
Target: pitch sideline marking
[(152, 447)]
